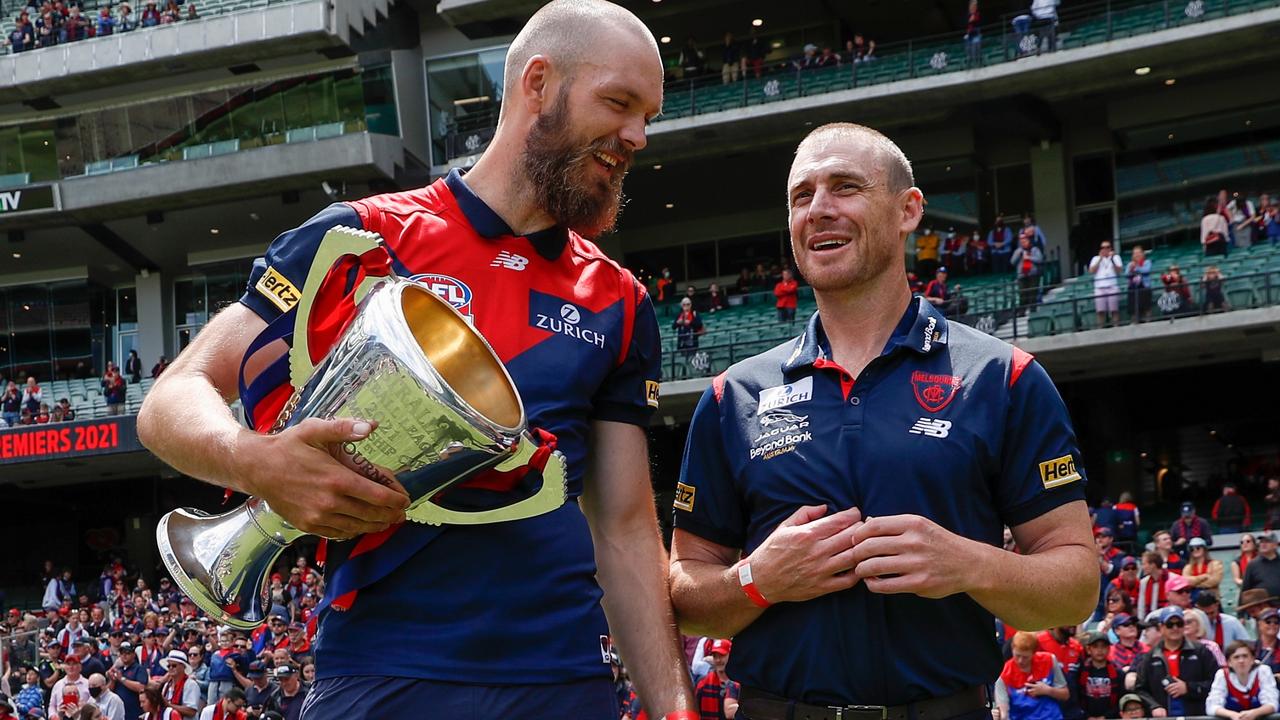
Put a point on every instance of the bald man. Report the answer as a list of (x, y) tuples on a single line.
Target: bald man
[(499, 620), (843, 495)]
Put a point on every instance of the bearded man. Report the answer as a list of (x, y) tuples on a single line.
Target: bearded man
[(506, 245)]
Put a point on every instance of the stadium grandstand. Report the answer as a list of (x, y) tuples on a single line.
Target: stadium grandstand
[(146, 162)]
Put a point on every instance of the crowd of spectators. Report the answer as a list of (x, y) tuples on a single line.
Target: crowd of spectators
[(28, 406), (56, 22), (116, 648)]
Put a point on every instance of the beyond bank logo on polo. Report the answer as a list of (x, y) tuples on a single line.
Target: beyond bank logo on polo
[(784, 395)]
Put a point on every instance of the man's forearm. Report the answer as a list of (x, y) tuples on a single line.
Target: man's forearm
[(186, 423), (632, 571), (1055, 587), (708, 599)]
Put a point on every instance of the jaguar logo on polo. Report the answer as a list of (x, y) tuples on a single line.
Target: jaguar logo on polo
[(450, 289), (933, 391), (784, 395), (559, 317), (774, 418), (1058, 471)]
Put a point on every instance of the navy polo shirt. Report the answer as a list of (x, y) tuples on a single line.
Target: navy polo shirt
[(948, 423)]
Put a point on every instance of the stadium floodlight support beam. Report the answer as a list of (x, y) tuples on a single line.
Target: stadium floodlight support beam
[(155, 315), (1052, 200)]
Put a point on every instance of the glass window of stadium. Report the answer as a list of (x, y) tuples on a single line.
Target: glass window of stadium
[(52, 331), (464, 93), (198, 298), (202, 124)]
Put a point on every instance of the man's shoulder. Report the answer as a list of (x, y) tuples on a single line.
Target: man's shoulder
[(588, 254), (427, 199)]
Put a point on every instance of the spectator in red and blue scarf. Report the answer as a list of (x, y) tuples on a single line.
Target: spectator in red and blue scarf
[(1128, 648), (1188, 526), (716, 694)]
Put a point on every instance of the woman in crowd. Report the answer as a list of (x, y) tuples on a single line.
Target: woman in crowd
[(1197, 624), (1242, 691), (1213, 230), (1248, 551), (1267, 647), (1202, 571), (1117, 603), (153, 705)]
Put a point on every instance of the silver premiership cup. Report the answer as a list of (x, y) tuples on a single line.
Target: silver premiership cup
[(445, 407)]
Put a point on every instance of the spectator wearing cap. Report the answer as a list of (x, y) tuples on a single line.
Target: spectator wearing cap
[(1132, 707), (1062, 644), (1242, 690), (1174, 677), (273, 633), (291, 693), (1109, 559), (1264, 570), (149, 652), (1100, 681), (1128, 581), (229, 706), (715, 694), (50, 666), (129, 622), (299, 645), (1031, 684), (1201, 571), (129, 679), (1222, 628), (1189, 525), (1127, 648), (1153, 587), (86, 648), (260, 692), (1178, 591), (937, 293), (1267, 647), (1195, 631), (32, 693), (1231, 512), (180, 691), (60, 696), (108, 702)]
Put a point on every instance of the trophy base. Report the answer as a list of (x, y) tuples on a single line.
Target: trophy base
[(206, 557)]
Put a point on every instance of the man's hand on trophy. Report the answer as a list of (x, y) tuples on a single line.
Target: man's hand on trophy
[(297, 472)]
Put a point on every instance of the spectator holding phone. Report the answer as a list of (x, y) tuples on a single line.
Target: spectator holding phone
[(69, 692), (1106, 267), (1032, 683)]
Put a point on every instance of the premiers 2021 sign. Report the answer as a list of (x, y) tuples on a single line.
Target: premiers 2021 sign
[(80, 438)]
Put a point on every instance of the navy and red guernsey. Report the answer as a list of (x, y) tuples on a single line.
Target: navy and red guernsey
[(579, 337), (948, 423)]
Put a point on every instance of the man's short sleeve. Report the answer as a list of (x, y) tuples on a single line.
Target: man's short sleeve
[(1041, 467), (276, 279), (630, 393), (707, 502)]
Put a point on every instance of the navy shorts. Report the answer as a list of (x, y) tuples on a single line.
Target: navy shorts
[(378, 698)]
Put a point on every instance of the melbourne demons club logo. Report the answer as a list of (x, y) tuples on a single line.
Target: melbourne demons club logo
[(934, 392), (451, 290)]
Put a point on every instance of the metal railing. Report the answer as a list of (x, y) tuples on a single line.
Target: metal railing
[(1008, 319)]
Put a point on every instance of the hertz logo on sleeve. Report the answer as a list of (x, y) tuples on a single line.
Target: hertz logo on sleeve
[(684, 497), (277, 288), (1058, 471), (651, 392)]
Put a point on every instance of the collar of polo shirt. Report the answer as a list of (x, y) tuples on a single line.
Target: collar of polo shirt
[(922, 329)]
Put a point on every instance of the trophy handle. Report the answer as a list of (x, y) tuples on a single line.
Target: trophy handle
[(341, 241), (549, 497)]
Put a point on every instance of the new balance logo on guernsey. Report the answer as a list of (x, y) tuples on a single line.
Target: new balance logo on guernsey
[(931, 427), (510, 261)]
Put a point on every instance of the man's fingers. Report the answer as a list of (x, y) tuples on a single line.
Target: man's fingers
[(890, 585), (839, 542), (390, 497), (873, 547), (320, 433), (805, 514), (364, 511), (885, 525), (883, 565), (836, 522)]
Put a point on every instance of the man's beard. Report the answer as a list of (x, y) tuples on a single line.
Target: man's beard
[(556, 165)]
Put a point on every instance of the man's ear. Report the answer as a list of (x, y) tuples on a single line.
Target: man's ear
[(912, 210), (534, 82)]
